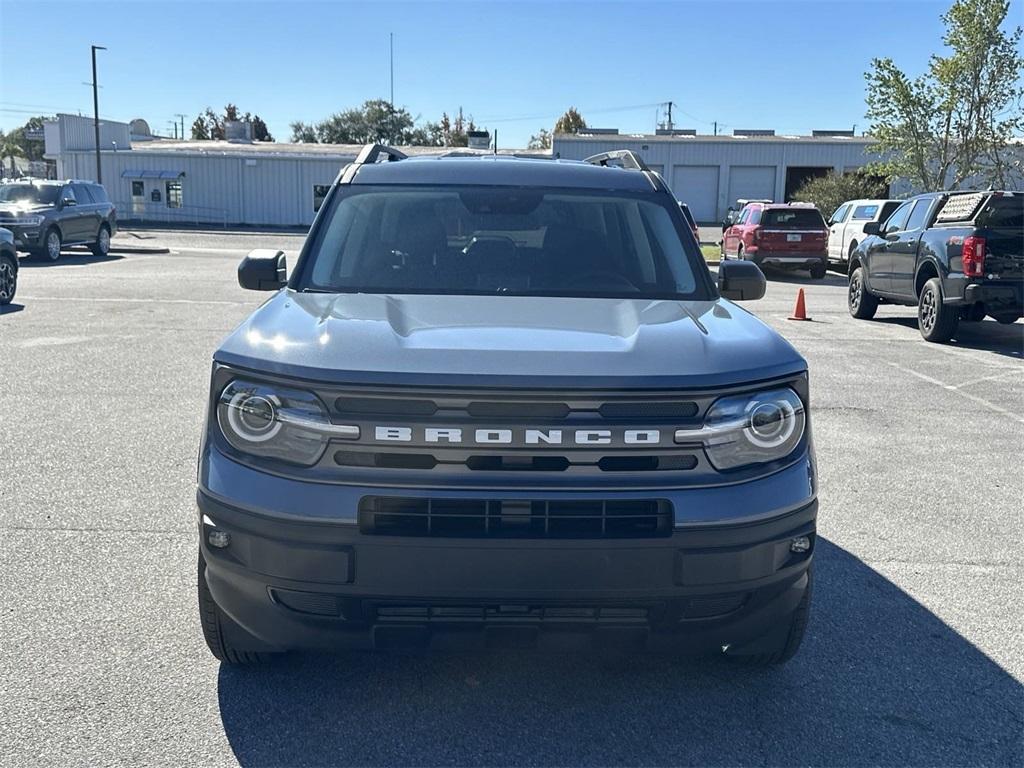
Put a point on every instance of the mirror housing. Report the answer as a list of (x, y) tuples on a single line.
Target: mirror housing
[(66, 201), (872, 228), (263, 269), (741, 280)]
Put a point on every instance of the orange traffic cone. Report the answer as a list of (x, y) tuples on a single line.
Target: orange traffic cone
[(799, 311)]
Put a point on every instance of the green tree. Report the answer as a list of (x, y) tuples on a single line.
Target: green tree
[(375, 121), (954, 123), (303, 132), (831, 191), (540, 141), (571, 122), (9, 150), (210, 125)]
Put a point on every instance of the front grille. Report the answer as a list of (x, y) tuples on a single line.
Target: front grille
[(503, 519), (510, 614)]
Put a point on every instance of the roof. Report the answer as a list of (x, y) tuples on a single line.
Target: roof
[(704, 138), (269, 149), (487, 169)]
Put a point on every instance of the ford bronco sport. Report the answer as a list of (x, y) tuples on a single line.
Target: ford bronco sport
[(503, 399)]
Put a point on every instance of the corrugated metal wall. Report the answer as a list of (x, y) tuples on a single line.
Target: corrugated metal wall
[(217, 189), (678, 161)]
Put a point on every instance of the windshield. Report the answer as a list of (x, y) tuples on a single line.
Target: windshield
[(500, 240), (792, 218), (44, 194)]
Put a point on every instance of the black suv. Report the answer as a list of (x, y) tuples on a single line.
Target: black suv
[(45, 216), (955, 255)]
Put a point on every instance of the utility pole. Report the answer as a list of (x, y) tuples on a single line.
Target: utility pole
[(391, 39), (182, 118), (669, 126), (716, 127), (96, 111)]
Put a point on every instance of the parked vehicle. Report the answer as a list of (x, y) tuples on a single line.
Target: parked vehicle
[(8, 267), (733, 213), (46, 216), (956, 255), (504, 395), (690, 220), (846, 227), (785, 236)]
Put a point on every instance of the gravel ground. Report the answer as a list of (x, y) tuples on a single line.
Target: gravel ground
[(914, 654)]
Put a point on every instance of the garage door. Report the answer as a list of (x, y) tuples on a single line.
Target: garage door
[(697, 186), (752, 182)]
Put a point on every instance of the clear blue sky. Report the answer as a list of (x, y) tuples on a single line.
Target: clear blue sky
[(792, 66)]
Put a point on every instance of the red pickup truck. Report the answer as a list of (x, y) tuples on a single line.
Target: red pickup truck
[(786, 236)]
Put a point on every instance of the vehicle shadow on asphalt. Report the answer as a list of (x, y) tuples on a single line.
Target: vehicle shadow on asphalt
[(804, 278), (987, 335), (880, 680), (10, 309), (67, 258)]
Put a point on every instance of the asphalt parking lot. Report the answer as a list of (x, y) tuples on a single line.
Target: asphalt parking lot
[(914, 654)]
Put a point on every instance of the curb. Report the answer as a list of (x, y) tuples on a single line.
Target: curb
[(137, 249)]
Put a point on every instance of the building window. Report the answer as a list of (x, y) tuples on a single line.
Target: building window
[(138, 189), (174, 194), (319, 193)]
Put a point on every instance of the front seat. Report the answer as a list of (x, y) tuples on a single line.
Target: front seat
[(577, 258), (420, 244)]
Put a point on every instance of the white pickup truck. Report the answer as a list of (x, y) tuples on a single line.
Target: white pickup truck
[(846, 226)]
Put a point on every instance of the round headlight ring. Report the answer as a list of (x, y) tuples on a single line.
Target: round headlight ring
[(771, 423), (254, 417)]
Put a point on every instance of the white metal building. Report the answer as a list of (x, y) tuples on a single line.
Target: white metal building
[(710, 173), (281, 184)]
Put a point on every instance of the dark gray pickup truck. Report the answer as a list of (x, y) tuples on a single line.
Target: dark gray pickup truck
[(956, 255), (503, 399)]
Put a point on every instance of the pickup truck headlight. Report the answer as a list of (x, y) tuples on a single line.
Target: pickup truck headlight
[(277, 422), (740, 430)]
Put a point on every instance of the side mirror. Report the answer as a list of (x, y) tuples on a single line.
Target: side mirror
[(66, 201), (872, 228), (263, 270), (740, 280)]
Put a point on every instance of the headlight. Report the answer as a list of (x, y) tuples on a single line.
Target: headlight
[(29, 221), (749, 429), (277, 422)]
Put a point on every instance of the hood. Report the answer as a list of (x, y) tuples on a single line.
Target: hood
[(508, 341), (13, 209)]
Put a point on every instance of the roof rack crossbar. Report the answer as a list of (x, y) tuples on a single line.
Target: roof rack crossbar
[(369, 154), (627, 157)]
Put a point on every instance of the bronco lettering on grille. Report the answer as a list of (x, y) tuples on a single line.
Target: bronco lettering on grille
[(506, 436)]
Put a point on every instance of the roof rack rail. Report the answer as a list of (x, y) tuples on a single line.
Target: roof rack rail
[(369, 154), (627, 157)]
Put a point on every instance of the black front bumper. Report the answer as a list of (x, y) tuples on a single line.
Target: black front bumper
[(326, 585)]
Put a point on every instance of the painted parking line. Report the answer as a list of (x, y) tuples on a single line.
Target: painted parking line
[(108, 299), (955, 390)]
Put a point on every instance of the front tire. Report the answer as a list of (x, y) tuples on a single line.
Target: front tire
[(8, 278), (52, 244), (219, 630), (860, 301), (936, 321), (102, 245)]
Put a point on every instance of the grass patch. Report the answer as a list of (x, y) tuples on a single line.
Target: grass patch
[(711, 252)]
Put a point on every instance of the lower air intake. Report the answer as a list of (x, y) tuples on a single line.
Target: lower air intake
[(488, 518)]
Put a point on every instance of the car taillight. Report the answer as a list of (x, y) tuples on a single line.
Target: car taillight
[(756, 235), (973, 256)]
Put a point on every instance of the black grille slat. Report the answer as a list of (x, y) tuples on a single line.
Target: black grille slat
[(514, 410), (383, 406), (671, 409), (513, 518)]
